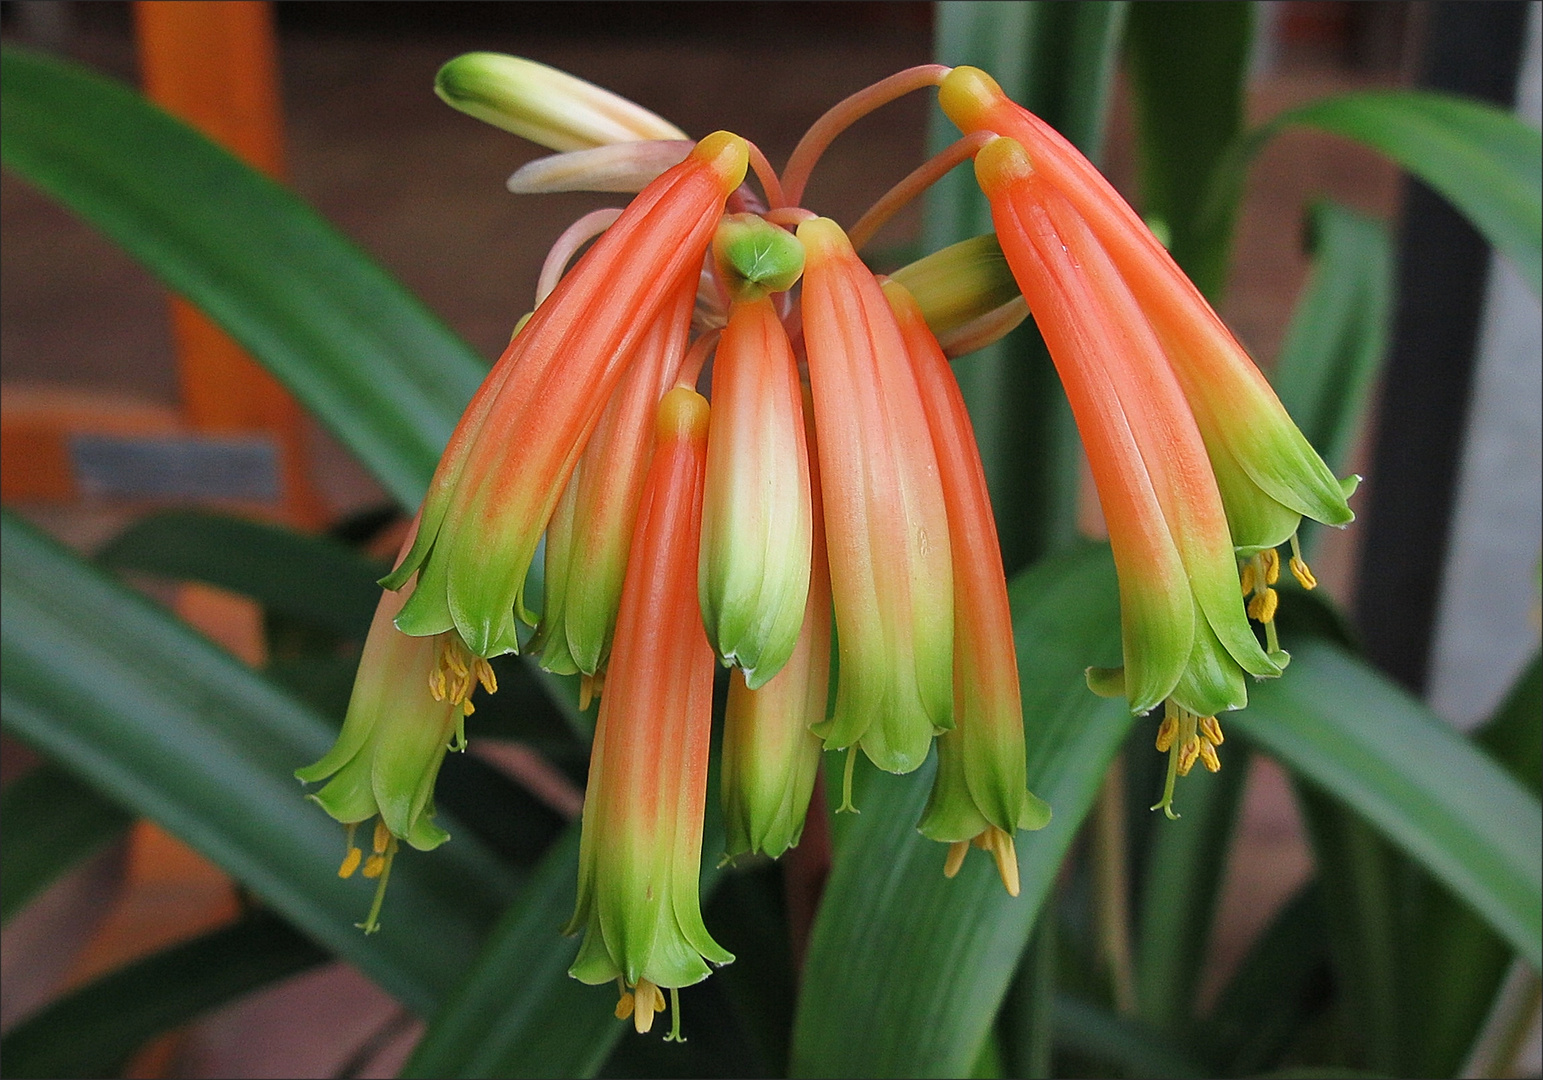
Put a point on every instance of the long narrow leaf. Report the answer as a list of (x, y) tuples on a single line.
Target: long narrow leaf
[(1356, 736), (95, 1030), (172, 727), (355, 347), (52, 822), (905, 969)]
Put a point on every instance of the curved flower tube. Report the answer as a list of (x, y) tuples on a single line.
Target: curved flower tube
[(518, 441), (980, 794), (641, 846), (886, 527)]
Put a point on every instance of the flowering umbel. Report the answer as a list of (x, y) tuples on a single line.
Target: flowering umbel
[(824, 526)]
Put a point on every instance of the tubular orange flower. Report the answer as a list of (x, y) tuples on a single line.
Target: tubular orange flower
[(886, 527), (980, 794), (516, 445), (641, 847), (1186, 633), (756, 516), (591, 529), (770, 757)]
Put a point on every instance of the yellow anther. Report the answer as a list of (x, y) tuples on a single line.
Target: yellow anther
[(1270, 560), (1208, 756), (467, 708), (1189, 753), (1166, 731), (647, 1000), (381, 838), (1248, 578), (1262, 607), (350, 862), (589, 688), (624, 1006), (1212, 730), (1006, 857), (1300, 571), (437, 684), (374, 866), (485, 675), (956, 854)]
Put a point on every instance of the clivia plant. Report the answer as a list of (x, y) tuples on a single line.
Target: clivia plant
[(715, 534)]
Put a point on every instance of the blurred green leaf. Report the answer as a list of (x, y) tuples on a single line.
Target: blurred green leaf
[(1134, 1048), (164, 722), (1484, 160), (1188, 62), (357, 349), (1351, 733), (312, 578), (906, 969), (1058, 59), (95, 1030), (52, 823), (1338, 333), (1513, 735)]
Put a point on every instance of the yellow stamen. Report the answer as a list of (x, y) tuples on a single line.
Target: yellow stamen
[(646, 1000), (1166, 732), (1270, 560), (589, 689), (1300, 571), (1189, 753), (374, 866), (1208, 756), (350, 862), (956, 854), (457, 671), (1262, 607), (624, 1006), (1006, 857), (1248, 578), (381, 838), (1212, 730)]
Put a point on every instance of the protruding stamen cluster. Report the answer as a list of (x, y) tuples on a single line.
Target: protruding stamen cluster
[(377, 866), (458, 671), (1186, 739), (999, 844)]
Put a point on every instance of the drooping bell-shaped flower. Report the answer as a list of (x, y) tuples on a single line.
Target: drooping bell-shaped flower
[(517, 443), (641, 847), (771, 758), (1186, 634), (408, 707), (886, 529), (756, 517), (980, 794), (1269, 475), (591, 530)]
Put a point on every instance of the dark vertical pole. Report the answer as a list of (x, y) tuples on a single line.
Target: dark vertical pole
[(1472, 47)]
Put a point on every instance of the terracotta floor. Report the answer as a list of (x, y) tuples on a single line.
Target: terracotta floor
[(422, 189)]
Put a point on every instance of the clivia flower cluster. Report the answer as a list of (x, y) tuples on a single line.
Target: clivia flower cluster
[(823, 526)]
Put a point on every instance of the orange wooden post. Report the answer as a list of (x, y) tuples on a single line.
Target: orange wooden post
[(213, 63)]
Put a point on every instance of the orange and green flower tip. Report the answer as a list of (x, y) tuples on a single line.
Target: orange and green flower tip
[(887, 537), (640, 848), (770, 756), (408, 707), (516, 446), (980, 793), (543, 104), (591, 530), (756, 528)]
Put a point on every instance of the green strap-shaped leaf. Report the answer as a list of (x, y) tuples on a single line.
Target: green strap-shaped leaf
[(1138, 1050), (1354, 735), (170, 726), (1338, 334), (356, 348), (1188, 62), (905, 969), (95, 1030), (1056, 58), (1482, 159), (313, 578), (52, 822)]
